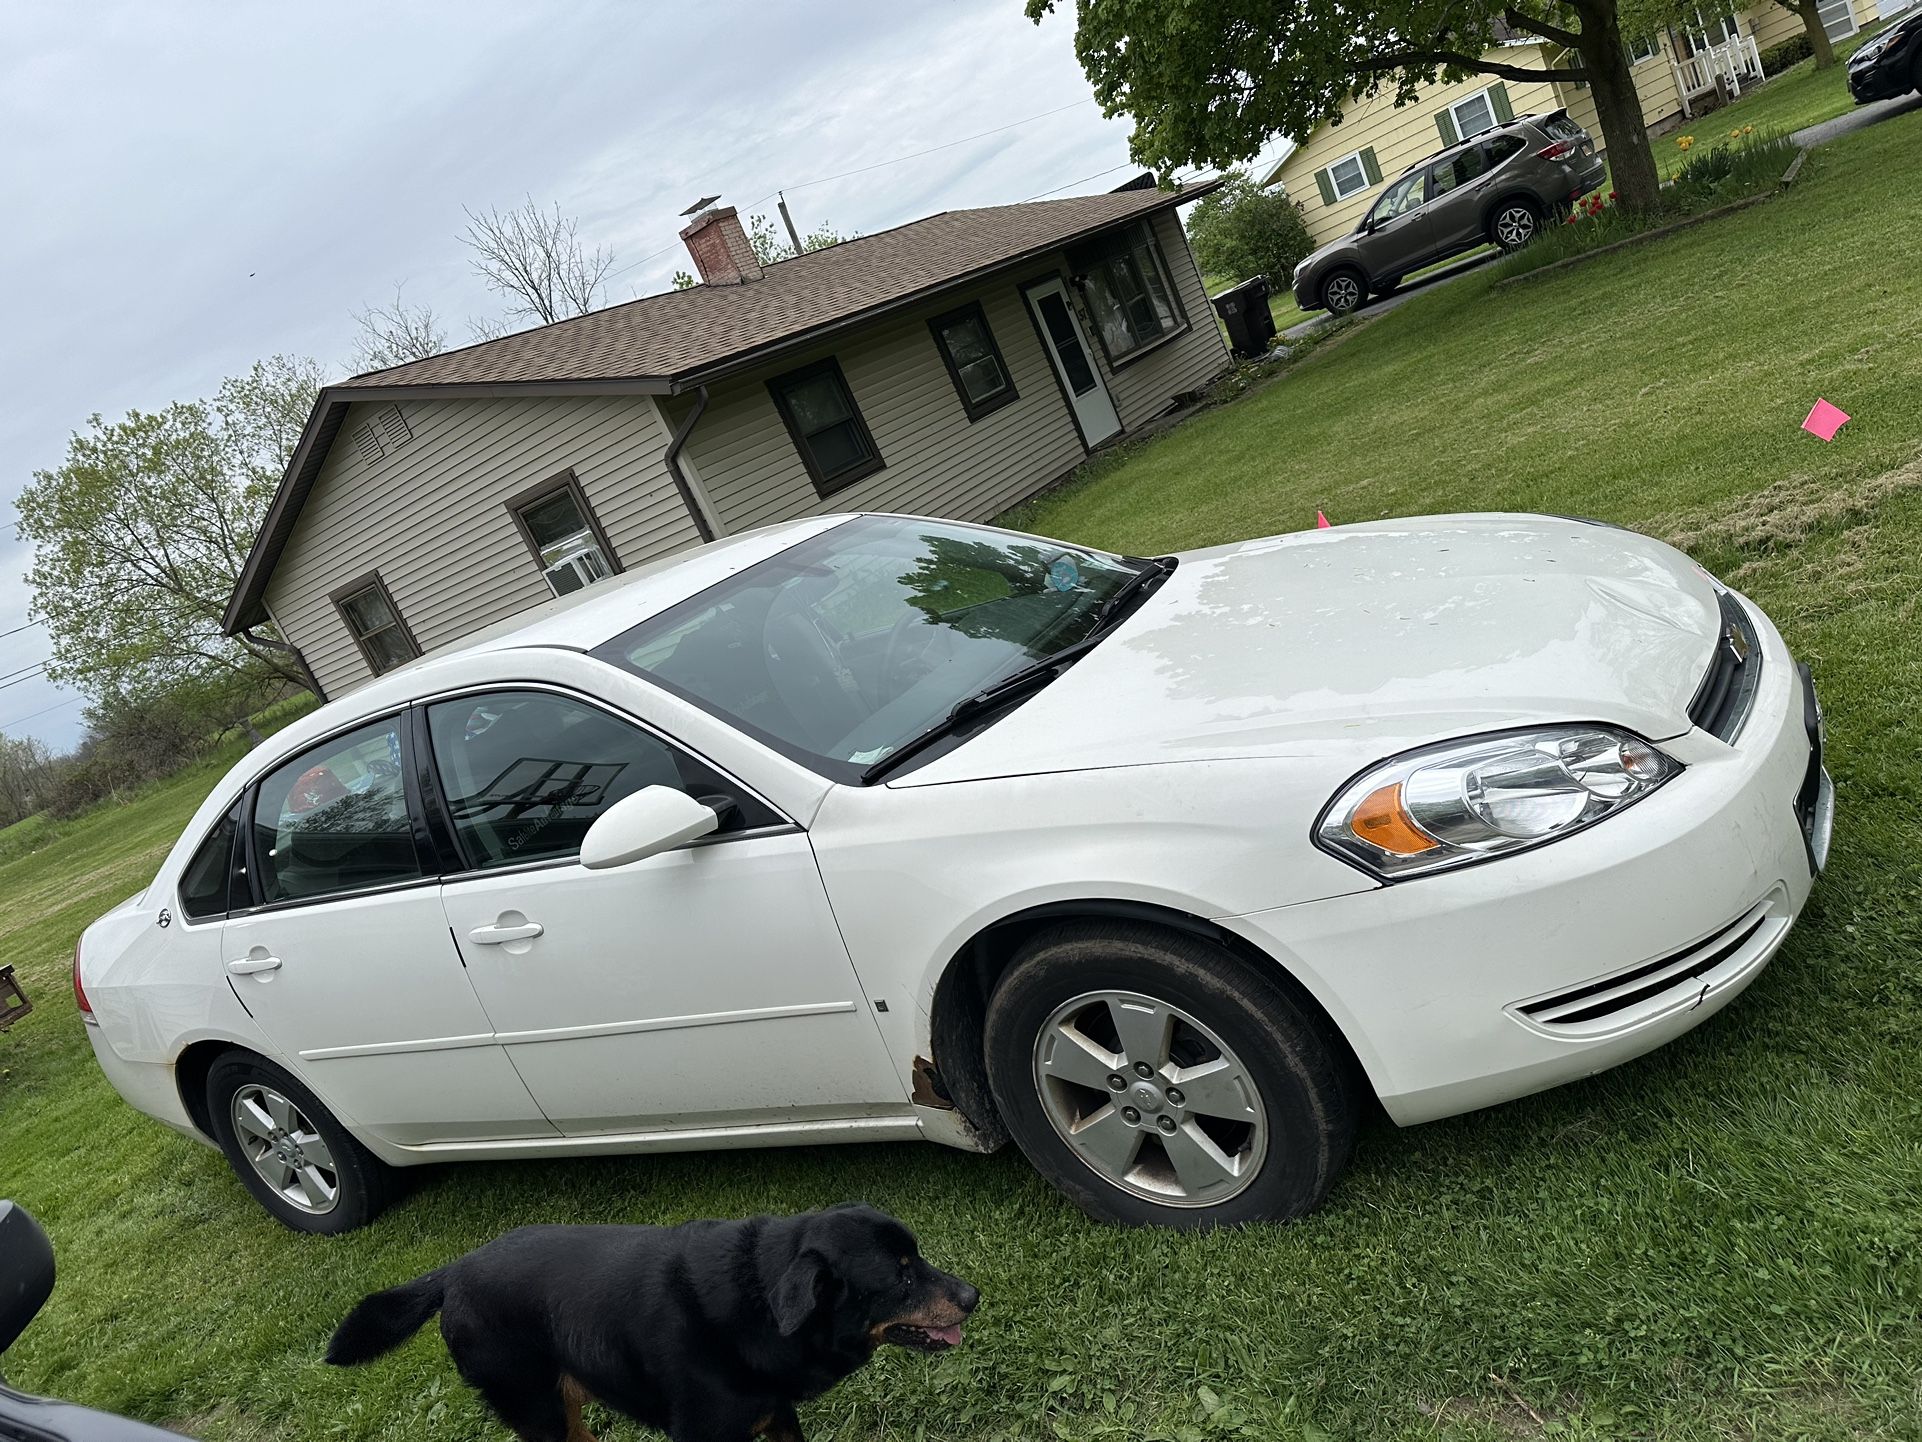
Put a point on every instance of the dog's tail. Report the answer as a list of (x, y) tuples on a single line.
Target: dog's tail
[(383, 1321)]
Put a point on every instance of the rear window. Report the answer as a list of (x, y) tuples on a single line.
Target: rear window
[(1560, 127), (1501, 148)]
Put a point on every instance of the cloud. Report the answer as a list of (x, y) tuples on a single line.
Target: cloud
[(208, 185)]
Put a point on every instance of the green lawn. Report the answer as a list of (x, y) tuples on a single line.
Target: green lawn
[(1799, 96), (1722, 1241)]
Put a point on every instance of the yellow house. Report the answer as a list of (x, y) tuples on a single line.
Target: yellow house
[(1337, 171)]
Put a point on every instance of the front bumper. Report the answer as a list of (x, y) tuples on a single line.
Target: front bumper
[(1889, 73), (1469, 988)]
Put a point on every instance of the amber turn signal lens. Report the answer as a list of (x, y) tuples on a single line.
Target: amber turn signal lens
[(1381, 821)]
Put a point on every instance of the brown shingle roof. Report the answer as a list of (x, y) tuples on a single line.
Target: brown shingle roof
[(683, 332)]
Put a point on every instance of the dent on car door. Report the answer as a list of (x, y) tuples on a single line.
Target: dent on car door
[(704, 986), (344, 958)]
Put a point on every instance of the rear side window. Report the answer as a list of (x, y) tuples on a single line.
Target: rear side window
[(204, 882), (526, 773), (1504, 146), (335, 819), (1560, 127)]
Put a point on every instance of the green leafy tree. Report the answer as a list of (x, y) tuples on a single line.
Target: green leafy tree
[(140, 534), (1207, 82), (1243, 230)]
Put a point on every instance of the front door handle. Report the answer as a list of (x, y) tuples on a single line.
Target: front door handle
[(496, 935), (255, 961)]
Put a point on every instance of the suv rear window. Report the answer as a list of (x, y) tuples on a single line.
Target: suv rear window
[(1501, 148), (1560, 127)]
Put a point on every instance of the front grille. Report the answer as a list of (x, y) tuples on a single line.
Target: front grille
[(1727, 692), (1598, 1005)]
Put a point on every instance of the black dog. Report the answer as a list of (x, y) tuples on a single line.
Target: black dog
[(710, 1331)]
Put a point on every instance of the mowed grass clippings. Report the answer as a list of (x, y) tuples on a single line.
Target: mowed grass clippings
[(1720, 1241)]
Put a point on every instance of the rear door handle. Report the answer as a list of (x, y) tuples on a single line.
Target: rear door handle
[(248, 965), (496, 935)]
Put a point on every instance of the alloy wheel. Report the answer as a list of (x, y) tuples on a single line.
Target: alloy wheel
[(1514, 227), (1150, 1099), (285, 1149), (1343, 294)]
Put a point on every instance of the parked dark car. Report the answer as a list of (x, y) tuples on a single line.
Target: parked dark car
[(1888, 64), (1499, 186), (26, 1280)]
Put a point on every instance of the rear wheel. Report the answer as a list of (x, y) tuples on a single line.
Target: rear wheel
[(1158, 1080), (1514, 224), (1343, 292), (288, 1150)]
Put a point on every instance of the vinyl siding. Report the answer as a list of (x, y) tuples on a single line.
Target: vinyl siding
[(1399, 137), (937, 462), (431, 516)]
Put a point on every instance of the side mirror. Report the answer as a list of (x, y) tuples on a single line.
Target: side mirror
[(26, 1271), (652, 820)]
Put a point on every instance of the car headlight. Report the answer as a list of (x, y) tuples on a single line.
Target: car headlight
[(1485, 796)]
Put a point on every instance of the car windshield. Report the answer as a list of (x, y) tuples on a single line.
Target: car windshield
[(852, 643)]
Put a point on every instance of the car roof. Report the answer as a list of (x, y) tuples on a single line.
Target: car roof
[(1478, 137)]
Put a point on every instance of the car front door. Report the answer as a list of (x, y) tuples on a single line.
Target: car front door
[(707, 986), (345, 960), (1398, 240)]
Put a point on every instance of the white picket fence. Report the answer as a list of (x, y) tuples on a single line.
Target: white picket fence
[(1731, 63)]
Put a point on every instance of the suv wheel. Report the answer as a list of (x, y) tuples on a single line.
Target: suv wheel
[(1514, 224), (1343, 292), (288, 1150), (1156, 1079)]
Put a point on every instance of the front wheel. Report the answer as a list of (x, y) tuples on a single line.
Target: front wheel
[(287, 1149), (1514, 224), (1343, 292), (1156, 1079)]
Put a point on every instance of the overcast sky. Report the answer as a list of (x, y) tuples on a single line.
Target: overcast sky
[(193, 186)]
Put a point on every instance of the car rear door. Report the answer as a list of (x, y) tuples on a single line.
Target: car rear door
[(344, 957), (707, 986), (1458, 188)]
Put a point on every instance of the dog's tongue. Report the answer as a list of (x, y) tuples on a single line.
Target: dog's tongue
[(950, 1336)]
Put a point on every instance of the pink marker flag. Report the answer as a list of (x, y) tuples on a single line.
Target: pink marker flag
[(1825, 420), (1321, 521)]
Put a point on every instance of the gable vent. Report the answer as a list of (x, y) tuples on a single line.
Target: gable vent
[(393, 427), (367, 444)]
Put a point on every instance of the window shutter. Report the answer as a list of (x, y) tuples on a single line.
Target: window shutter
[(1498, 97), (1325, 186), (1370, 167), (1445, 123)]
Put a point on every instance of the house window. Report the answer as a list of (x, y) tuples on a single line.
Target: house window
[(375, 624), (1641, 48), (1128, 290), (1473, 115), (562, 534), (1348, 176), (973, 360), (819, 411)]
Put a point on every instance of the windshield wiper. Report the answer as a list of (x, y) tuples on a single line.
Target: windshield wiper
[(1033, 675)]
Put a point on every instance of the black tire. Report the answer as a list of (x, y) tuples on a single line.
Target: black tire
[(1304, 1079), (1514, 222), (1344, 291), (363, 1184)]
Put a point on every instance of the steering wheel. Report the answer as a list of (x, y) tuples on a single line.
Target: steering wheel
[(894, 653), (809, 677)]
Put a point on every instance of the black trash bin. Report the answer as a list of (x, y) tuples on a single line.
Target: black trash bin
[(1244, 310)]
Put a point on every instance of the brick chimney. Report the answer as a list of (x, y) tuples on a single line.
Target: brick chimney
[(720, 249)]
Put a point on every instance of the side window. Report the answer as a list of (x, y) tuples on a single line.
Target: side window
[(1400, 198), (204, 881), (1504, 146), (526, 773), (335, 819)]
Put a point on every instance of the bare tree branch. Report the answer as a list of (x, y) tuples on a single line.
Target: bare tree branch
[(536, 258), (394, 334)]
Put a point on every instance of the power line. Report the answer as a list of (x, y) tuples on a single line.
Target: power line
[(44, 711), (36, 666), (22, 680), (18, 629), (877, 165), (1125, 165)]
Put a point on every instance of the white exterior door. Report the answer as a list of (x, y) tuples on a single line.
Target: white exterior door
[(349, 967), (1073, 359), (704, 987)]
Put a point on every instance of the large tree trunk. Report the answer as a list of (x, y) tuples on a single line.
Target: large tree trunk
[(1818, 37), (1605, 60)]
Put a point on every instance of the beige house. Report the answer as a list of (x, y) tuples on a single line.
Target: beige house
[(952, 367), (1339, 169)]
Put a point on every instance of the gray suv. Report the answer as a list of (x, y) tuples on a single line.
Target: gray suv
[(1499, 186)]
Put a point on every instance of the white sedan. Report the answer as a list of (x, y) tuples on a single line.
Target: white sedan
[(873, 827)]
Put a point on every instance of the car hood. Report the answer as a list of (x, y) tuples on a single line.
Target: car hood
[(1357, 642), (1320, 253)]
